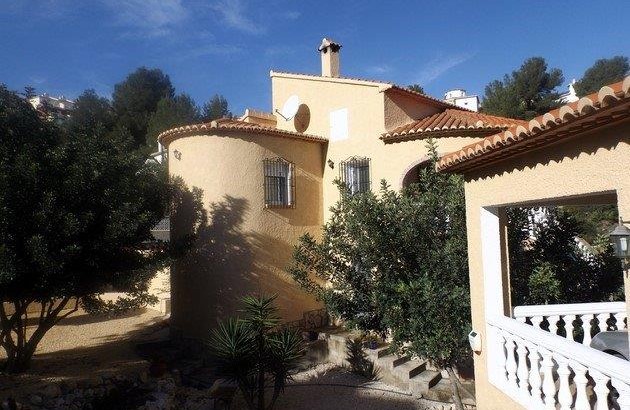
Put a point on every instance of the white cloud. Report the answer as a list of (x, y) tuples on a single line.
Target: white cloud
[(153, 18), (279, 50), (379, 69), (438, 66), (233, 15)]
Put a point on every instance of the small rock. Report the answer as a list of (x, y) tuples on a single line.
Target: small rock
[(52, 390), (36, 400)]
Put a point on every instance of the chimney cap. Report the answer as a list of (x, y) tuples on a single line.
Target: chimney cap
[(328, 43)]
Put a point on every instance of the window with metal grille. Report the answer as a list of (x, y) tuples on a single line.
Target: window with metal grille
[(279, 183), (355, 173)]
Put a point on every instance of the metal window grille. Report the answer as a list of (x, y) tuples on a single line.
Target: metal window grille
[(355, 173), (279, 183)]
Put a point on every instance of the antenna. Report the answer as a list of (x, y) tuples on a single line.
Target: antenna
[(290, 108)]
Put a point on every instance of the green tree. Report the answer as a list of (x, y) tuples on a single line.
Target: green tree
[(136, 98), (91, 112), (416, 87), (544, 287), (538, 246), (603, 72), (76, 212), (397, 261), (29, 92), (215, 108), (255, 353), (171, 112), (526, 93)]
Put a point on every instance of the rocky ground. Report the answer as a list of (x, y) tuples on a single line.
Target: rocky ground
[(94, 363)]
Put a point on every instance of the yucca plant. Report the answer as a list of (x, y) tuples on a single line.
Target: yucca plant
[(255, 353)]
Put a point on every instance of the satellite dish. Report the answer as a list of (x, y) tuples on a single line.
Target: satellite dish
[(290, 108)]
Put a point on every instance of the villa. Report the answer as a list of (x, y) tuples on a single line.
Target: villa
[(266, 178)]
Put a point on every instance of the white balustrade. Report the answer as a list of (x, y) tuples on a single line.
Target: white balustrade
[(587, 318), (543, 371)]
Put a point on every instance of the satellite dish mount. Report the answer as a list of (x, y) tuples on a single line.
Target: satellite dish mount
[(290, 108)]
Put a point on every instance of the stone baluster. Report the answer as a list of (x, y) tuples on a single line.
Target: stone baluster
[(536, 321), (549, 386), (581, 381), (619, 320), (510, 364), (565, 398), (535, 380), (522, 370), (522, 319), (600, 389), (602, 325), (553, 324), (586, 325), (568, 326), (624, 394), (500, 343)]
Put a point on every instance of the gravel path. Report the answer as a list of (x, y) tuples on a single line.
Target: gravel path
[(327, 386)]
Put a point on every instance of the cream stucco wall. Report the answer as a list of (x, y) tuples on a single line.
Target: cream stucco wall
[(594, 163), (371, 112), (244, 248)]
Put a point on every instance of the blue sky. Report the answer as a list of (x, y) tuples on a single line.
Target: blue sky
[(229, 46)]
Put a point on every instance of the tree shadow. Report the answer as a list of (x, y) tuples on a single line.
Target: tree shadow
[(231, 257), (112, 353)]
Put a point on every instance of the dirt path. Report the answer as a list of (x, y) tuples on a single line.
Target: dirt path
[(84, 346)]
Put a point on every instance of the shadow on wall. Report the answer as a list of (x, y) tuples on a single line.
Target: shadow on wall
[(225, 263)]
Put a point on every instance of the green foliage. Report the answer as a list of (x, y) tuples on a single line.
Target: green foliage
[(603, 72), (77, 208), (357, 358), (253, 352), (215, 108), (544, 287), (526, 93), (416, 87), (91, 112), (170, 113), (136, 98), (549, 246), (397, 261)]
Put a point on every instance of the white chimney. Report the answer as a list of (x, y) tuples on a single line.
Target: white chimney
[(329, 50)]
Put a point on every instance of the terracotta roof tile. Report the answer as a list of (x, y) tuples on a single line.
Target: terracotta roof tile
[(228, 124), (449, 123), (612, 101)]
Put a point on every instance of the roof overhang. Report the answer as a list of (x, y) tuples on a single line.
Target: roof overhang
[(609, 106)]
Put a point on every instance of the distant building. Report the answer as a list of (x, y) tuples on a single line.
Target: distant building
[(459, 98), (569, 96), (56, 109)]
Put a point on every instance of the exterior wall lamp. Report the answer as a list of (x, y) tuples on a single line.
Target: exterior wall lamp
[(620, 238)]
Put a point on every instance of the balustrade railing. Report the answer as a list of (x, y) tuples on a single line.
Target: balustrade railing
[(544, 371), (578, 322)]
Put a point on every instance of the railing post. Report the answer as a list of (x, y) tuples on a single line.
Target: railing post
[(586, 325), (581, 381), (565, 398), (510, 364), (523, 371), (600, 389), (624, 394), (535, 381), (568, 326), (553, 323), (549, 386), (536, 321)]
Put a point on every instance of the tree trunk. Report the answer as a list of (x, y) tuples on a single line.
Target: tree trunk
[(20, 350), (457, 398)]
